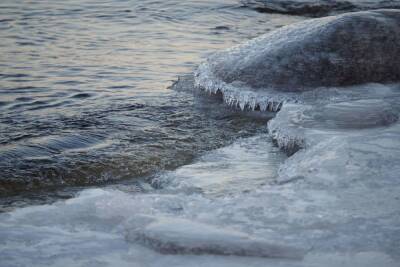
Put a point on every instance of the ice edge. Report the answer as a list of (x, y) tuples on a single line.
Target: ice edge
[(243, 97)]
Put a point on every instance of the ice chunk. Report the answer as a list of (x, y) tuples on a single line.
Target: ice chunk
[(298, 126), (286, 129), (179, 236)]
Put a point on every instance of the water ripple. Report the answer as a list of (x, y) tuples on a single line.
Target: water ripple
[(83, 96)]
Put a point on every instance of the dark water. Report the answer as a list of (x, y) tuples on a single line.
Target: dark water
[(83, 88)]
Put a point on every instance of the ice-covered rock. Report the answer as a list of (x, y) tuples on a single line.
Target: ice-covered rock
[(344, 50), (317, 8)]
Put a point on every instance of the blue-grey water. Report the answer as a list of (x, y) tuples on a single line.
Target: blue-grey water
[(84, 95)]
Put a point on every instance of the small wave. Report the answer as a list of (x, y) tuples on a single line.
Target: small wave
[(38, 105), (46, 146), (22, 89), (14, 75), (81, 95)]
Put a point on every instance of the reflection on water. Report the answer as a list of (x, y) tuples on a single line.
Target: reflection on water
[(83, 96)]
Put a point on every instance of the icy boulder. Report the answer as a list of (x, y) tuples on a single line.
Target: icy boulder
[(317, 8), (349, 49)]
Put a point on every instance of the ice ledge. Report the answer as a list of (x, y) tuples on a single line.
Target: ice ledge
[(239, 95)]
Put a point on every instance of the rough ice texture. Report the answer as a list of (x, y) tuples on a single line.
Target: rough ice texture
[(316, 8), (240, 95), (299, 126), (285, 130), (344, 50)]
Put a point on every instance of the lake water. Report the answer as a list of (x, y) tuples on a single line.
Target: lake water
[(84, 96)]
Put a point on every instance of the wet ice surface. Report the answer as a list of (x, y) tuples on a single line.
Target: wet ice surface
[(237, 168)]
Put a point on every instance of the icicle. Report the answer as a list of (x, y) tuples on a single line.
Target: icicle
[(242, 97)]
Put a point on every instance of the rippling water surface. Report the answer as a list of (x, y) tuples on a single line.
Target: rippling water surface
[(83, 87)]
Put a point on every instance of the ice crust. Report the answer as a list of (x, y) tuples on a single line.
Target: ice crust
[(241, 96), (286, 64), (368, 106)]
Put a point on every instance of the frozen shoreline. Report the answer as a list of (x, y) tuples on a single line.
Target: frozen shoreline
[(333, 202)]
